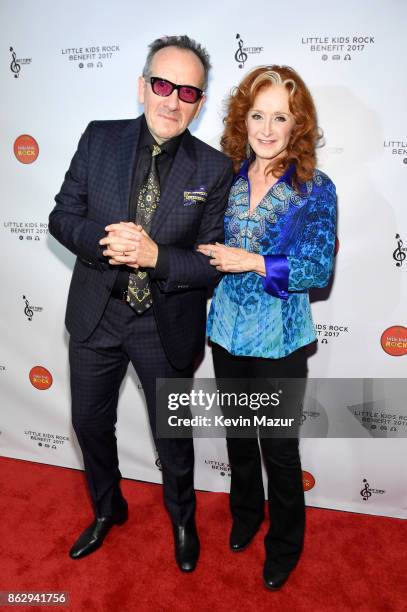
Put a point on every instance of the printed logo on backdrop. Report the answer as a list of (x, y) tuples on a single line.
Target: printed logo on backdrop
[(394, 340), (398, 148), (367, 491), (26, 149), (314, 419), (33, 231), (335, 151), (40, 378), (48, 441), (338, 48), (221, 468), (380, 421), (308, 416), (399, 254), (15, 65), (158, 461), (308, 480), (2, 368), (330, 331), (242, 53), (29, 309), (92, 56)]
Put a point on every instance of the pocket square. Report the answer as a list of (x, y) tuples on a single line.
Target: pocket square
[(195, 197)]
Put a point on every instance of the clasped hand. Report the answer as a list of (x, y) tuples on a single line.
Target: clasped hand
[(128, 244)]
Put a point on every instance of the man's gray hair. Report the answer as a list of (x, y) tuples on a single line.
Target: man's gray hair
[(180, 42)]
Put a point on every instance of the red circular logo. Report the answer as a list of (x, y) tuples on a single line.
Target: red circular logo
[(40, 378), (26, 149), (394, 340), (308, 480)]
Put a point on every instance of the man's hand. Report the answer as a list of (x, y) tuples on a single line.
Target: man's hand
[(128, 244), (232, 259)]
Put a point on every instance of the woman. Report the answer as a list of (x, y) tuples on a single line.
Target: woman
[(279, 242)]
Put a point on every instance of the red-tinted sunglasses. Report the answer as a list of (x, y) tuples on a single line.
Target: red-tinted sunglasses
[(186, 93)]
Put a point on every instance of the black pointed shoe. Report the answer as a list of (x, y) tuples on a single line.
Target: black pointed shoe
[(239, 538), (93, 536), (186, 546), (274, 579)]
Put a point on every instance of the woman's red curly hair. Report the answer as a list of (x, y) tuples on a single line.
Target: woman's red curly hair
[(301, 148)]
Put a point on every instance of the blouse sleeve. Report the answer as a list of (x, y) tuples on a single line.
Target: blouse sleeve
[(311, 261)]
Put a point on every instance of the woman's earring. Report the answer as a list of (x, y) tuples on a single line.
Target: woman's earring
[(249, 150)]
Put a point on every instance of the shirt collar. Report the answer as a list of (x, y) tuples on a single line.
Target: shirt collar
[(146, 140), (244, 173)]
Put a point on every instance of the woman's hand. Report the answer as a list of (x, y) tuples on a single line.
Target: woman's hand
[(232, 259)]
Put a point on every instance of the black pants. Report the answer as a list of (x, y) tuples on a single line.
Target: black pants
[(284, 540), (97, 369)]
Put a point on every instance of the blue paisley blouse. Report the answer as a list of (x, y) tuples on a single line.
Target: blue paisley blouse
[(271, 317)]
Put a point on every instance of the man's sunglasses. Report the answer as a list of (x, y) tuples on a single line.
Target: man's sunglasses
[(186, 93)]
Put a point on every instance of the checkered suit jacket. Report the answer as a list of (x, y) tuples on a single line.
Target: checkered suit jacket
[(96, 192)]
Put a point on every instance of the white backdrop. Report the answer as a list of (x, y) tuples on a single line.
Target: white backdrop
[(64, 64)]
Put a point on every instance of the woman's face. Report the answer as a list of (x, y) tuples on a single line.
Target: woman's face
[(270, 123)]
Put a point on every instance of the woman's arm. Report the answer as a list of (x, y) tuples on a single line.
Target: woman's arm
[(311, 261), (233, 259)]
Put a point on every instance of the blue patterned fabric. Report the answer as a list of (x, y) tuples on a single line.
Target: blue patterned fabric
[(271, 317)]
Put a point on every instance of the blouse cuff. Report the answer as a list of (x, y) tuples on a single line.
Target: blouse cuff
[(276, 280)]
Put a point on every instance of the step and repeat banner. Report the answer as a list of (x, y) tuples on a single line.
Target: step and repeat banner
[(65, 64)]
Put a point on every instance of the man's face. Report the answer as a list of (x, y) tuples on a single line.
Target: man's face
[(169, 116)]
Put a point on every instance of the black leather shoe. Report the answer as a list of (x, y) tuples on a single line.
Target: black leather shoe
[(274, 579), (93, 536), (186, 546), (239, 538)]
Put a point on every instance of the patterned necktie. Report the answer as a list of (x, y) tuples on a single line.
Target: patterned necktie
[(138, 291)]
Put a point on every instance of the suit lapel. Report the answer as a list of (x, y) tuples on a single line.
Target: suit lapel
[(182, 168), (126, 155)]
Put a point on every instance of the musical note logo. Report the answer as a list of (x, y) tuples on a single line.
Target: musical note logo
[(28, 311), (240, 55), (399, 254), (14, 66), (366, 492)]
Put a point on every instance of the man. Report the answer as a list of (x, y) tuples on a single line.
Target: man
[(138, 197)]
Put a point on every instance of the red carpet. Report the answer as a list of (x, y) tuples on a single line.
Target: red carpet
[(351, 561)]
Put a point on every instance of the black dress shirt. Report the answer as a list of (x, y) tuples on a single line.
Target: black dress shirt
[(143, 159)]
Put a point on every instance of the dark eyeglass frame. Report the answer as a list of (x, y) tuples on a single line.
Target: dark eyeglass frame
[(179, 88)]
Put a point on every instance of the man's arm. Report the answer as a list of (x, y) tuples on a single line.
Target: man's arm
[(311, 264), (174, 268), (68, 221), (186, 268)]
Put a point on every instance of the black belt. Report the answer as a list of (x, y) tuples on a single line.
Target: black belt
[(119, 291), (119, 294)]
